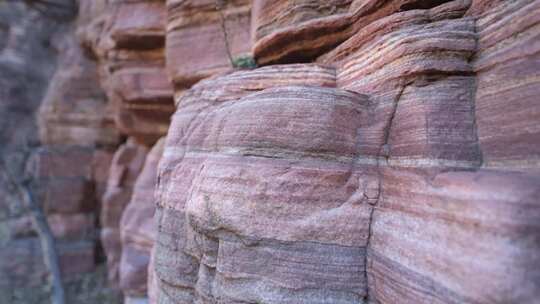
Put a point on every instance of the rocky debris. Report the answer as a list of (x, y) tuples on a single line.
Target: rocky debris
[(137, 229), (126, 166)]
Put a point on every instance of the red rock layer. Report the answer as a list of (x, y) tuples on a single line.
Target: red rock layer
[(128, 38), (125, 168), (507, 66), (367, 178), (74, 110), (298, 31), (137, 228), (252, 182), (415, 67), (202, 35)]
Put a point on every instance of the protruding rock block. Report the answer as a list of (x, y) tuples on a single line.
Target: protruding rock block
[(296, 31), (456, 237), (138, 25), (143, 101), (137, 228), (415, 67), (286, 31), (126, 166), (259, 196), (202, 35), (130, 49)]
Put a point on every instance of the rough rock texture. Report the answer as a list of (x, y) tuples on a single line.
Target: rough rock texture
[(456, 237), (126, 165), (202, 35), (236, 192), (77, 135), (415, 67), (78, 138), (128, 39), (298, 31), (137, 228), (507, 66), (315, 25), (401, 168), (385, 151), (74, 110)]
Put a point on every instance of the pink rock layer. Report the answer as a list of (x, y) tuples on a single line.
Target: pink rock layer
[(250, 184), (137, 228), (74, 110), (368, 178), (128, 38), (204, 36), (125, 168)]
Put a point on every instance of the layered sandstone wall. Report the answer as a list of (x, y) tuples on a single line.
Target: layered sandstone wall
[(400, 166), (382, 152)]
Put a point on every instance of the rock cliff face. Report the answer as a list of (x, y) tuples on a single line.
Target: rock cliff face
[(65, 153), (399, 167), (383, 151)]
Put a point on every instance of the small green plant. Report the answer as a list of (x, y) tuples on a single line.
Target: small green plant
[(244, 62)]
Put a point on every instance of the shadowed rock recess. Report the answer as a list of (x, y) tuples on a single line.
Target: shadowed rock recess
[(370, 151)]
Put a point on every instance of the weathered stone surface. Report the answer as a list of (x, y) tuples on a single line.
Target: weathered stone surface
[(201, 35), (142, 98), (264, 186), (399, 166), (249, 187), (414, 65), (74, 110), (298, 31), (137, 228), (456, 237), (295, 31), (507, 66), (128, 39), (126, 166)]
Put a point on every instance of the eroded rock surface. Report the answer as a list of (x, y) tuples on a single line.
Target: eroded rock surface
[(367, 177), (128, 39), (137, 229), (126, 166), (204, 36), (384, 151)]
